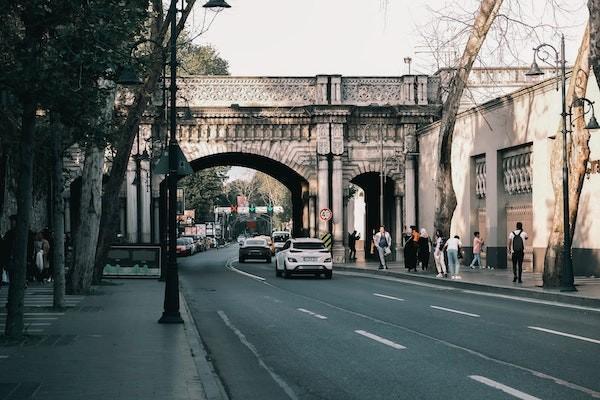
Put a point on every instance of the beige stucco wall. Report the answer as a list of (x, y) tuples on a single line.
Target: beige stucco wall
[(528, 116)]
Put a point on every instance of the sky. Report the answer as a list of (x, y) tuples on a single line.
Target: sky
[(348, 37)]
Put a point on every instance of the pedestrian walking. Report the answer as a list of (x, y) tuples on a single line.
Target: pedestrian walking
[(352, 239), (477, 244), (424, 249), (411, 250), (383, 243), (516, 249), (438, 255), (453, 247)]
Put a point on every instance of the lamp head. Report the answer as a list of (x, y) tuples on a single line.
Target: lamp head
[(593, 123), (216, 5), (128, 77), (534, 70)]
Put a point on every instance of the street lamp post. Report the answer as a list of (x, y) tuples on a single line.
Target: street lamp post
[(171, 313), (567, 282)]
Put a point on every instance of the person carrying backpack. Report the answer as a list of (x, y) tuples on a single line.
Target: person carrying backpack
[(516, 249)]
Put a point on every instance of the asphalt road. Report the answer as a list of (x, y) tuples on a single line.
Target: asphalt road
[(366, 337)]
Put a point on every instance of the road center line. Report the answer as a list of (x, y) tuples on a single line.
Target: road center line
[(506, 389), (234, 269), (3, 357), (380, 340), (455, 311), (570, 335), (319, 316), (385, 296), (286, 388)]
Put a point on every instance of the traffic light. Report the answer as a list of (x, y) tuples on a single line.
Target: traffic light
[(252, 208), (269, 209), (233, 209)]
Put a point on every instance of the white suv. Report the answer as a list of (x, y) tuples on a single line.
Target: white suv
[(304, 256)]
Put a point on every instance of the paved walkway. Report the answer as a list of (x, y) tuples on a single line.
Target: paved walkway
[(105, 346), (587, 288)]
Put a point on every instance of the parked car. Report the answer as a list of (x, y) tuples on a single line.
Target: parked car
[(185, 247), (304, 256), (199, 244), (279, 239), (254, 249)]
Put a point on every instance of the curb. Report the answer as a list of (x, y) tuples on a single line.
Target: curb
[(523, 292), (212, 386)]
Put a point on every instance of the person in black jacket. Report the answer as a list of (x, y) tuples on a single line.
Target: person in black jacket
[(7, 248), (424, 249)]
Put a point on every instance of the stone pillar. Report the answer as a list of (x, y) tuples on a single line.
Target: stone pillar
[(312, 211), (409, 191), (131, 205), (67, 204), (305, 211), (496, 212), (323, 177), (339, 252), (398, 229)]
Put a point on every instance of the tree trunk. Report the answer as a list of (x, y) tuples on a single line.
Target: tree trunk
[(58, 214), (18, 266), (445, 199), (594, 26), (86, 237), (110, 200), (578, 154)]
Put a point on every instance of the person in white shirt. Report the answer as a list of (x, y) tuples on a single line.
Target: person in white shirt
[(438, 255), (383, 242), (516, 249), (453, 246)]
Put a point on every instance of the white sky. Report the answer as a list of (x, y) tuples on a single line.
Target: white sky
[(348, 37)]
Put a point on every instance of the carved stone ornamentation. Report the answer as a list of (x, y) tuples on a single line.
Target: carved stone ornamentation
[(337, 139), (480, 177), (517, 172), (323, 144)]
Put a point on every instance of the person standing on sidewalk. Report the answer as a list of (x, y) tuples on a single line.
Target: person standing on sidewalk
[(424, 249), (6, 251), (438, 255), (453, 246), (516, 249), (383, 242), (477, 244), (352, 238)]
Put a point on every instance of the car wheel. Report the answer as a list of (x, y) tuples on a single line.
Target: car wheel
[(328, 274), (285, 272), (242, 260)]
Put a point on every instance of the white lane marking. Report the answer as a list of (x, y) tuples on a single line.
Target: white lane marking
[(36, 313), (40, 318), (506, 389), (286, 388), (3, 357), (455, 311), (234, 269), (385, 296), (530, 300), (541, 375), (380, 340), (312, 313), (570, 335), (448, 288), (31, 324)]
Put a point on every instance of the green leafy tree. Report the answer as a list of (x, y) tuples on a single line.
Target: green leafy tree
[(204, 190)]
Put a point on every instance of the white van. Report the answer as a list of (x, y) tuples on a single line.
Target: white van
[(279, 239)]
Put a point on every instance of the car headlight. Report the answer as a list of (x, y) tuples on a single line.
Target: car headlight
[(291, 259), (327, 260)]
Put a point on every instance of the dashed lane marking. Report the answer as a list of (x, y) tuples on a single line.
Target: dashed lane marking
[(2, 357), (312, 314), (455, 311), (379, 339), (506, 389), (569, 335), (385, 296)]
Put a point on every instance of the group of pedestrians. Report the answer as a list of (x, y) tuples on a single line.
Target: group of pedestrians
[(38, 255), (417, 249)]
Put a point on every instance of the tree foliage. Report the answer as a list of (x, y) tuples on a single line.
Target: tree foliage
[(204, 189)]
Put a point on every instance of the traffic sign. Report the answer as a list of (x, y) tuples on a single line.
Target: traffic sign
[(325, 214)]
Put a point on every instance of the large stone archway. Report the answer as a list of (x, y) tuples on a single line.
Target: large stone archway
[(328, 129)]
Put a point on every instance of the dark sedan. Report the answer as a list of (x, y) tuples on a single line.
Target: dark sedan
[(255, 249)]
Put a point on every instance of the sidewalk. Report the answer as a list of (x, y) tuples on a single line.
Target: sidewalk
[(496, 281), (108, 346)]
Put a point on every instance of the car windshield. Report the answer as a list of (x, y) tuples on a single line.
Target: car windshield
[(282, 237), (255, 242), (309, 246)]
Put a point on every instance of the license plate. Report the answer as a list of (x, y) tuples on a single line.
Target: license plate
[(313, 259)]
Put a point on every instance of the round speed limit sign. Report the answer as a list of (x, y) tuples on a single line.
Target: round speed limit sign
[(325, 214)]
